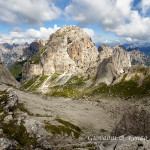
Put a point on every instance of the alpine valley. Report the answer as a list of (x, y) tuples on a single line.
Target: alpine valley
[(65, 93)]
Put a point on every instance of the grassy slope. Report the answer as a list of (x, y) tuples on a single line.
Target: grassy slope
[(16, 70), (75, 87), (36, 58), (125, 89)]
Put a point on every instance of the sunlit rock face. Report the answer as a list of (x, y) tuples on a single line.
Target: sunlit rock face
[(70, 51)]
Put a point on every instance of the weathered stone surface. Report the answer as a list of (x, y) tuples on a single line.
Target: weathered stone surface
[(35, 128), (7, 119), (7, 78), (30, 51), (69, 50), (12, 100), (31, 70), (112, 63), (6, 144), (106, 72), (43, 144), (135, 121), (139, 58), (10, 53)]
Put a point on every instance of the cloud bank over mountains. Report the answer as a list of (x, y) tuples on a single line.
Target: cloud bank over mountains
[(117, 16), (122, 17), (28, 36), (32, 12)]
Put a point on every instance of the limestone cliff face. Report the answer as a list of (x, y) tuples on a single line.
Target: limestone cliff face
[(30, 51), (69, 51), (112, 63)]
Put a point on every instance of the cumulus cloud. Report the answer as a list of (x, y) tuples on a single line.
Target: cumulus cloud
[(116, 16), (18, 36), (32, 12), (137, 28), (107, 13), (28, 36), (95, 38), (145, 6)]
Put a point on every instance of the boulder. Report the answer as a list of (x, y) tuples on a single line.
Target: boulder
[(6, 144)]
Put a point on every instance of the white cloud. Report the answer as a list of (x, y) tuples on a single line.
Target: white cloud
[(32, 12), (145, 6), (95, 38), (137, 28), (28, 36), (116, 16), (106, 42), (108, 13), (18, 36), (128, 39)]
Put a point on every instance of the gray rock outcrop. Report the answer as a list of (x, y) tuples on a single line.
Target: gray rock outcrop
[(6, 144), (135, 121), (139, 58), (112, 63), (7, 78)]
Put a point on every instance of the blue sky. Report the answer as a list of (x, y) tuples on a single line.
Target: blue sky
[(106, 21)]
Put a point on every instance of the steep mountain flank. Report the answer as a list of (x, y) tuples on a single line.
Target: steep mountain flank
[(6, 77), (28, 52), (139, 58), (113, 62), (69, 50)]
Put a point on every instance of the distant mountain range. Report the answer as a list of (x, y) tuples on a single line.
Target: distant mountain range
[(10, 53), (143, 47)]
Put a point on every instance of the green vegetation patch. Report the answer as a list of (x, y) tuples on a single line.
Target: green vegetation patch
[(3, 99), (140, 69), (19, 133), (63, 91), (40, 82), (124, 89), (59, 129), (36, 58), (2, 116), (16, 70), (68, 124), (30, 82), (54, 76), (69, 89), (75, 81), (22, 108)]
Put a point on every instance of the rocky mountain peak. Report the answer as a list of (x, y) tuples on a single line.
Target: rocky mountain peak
[(69, 50), (112, 63)]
